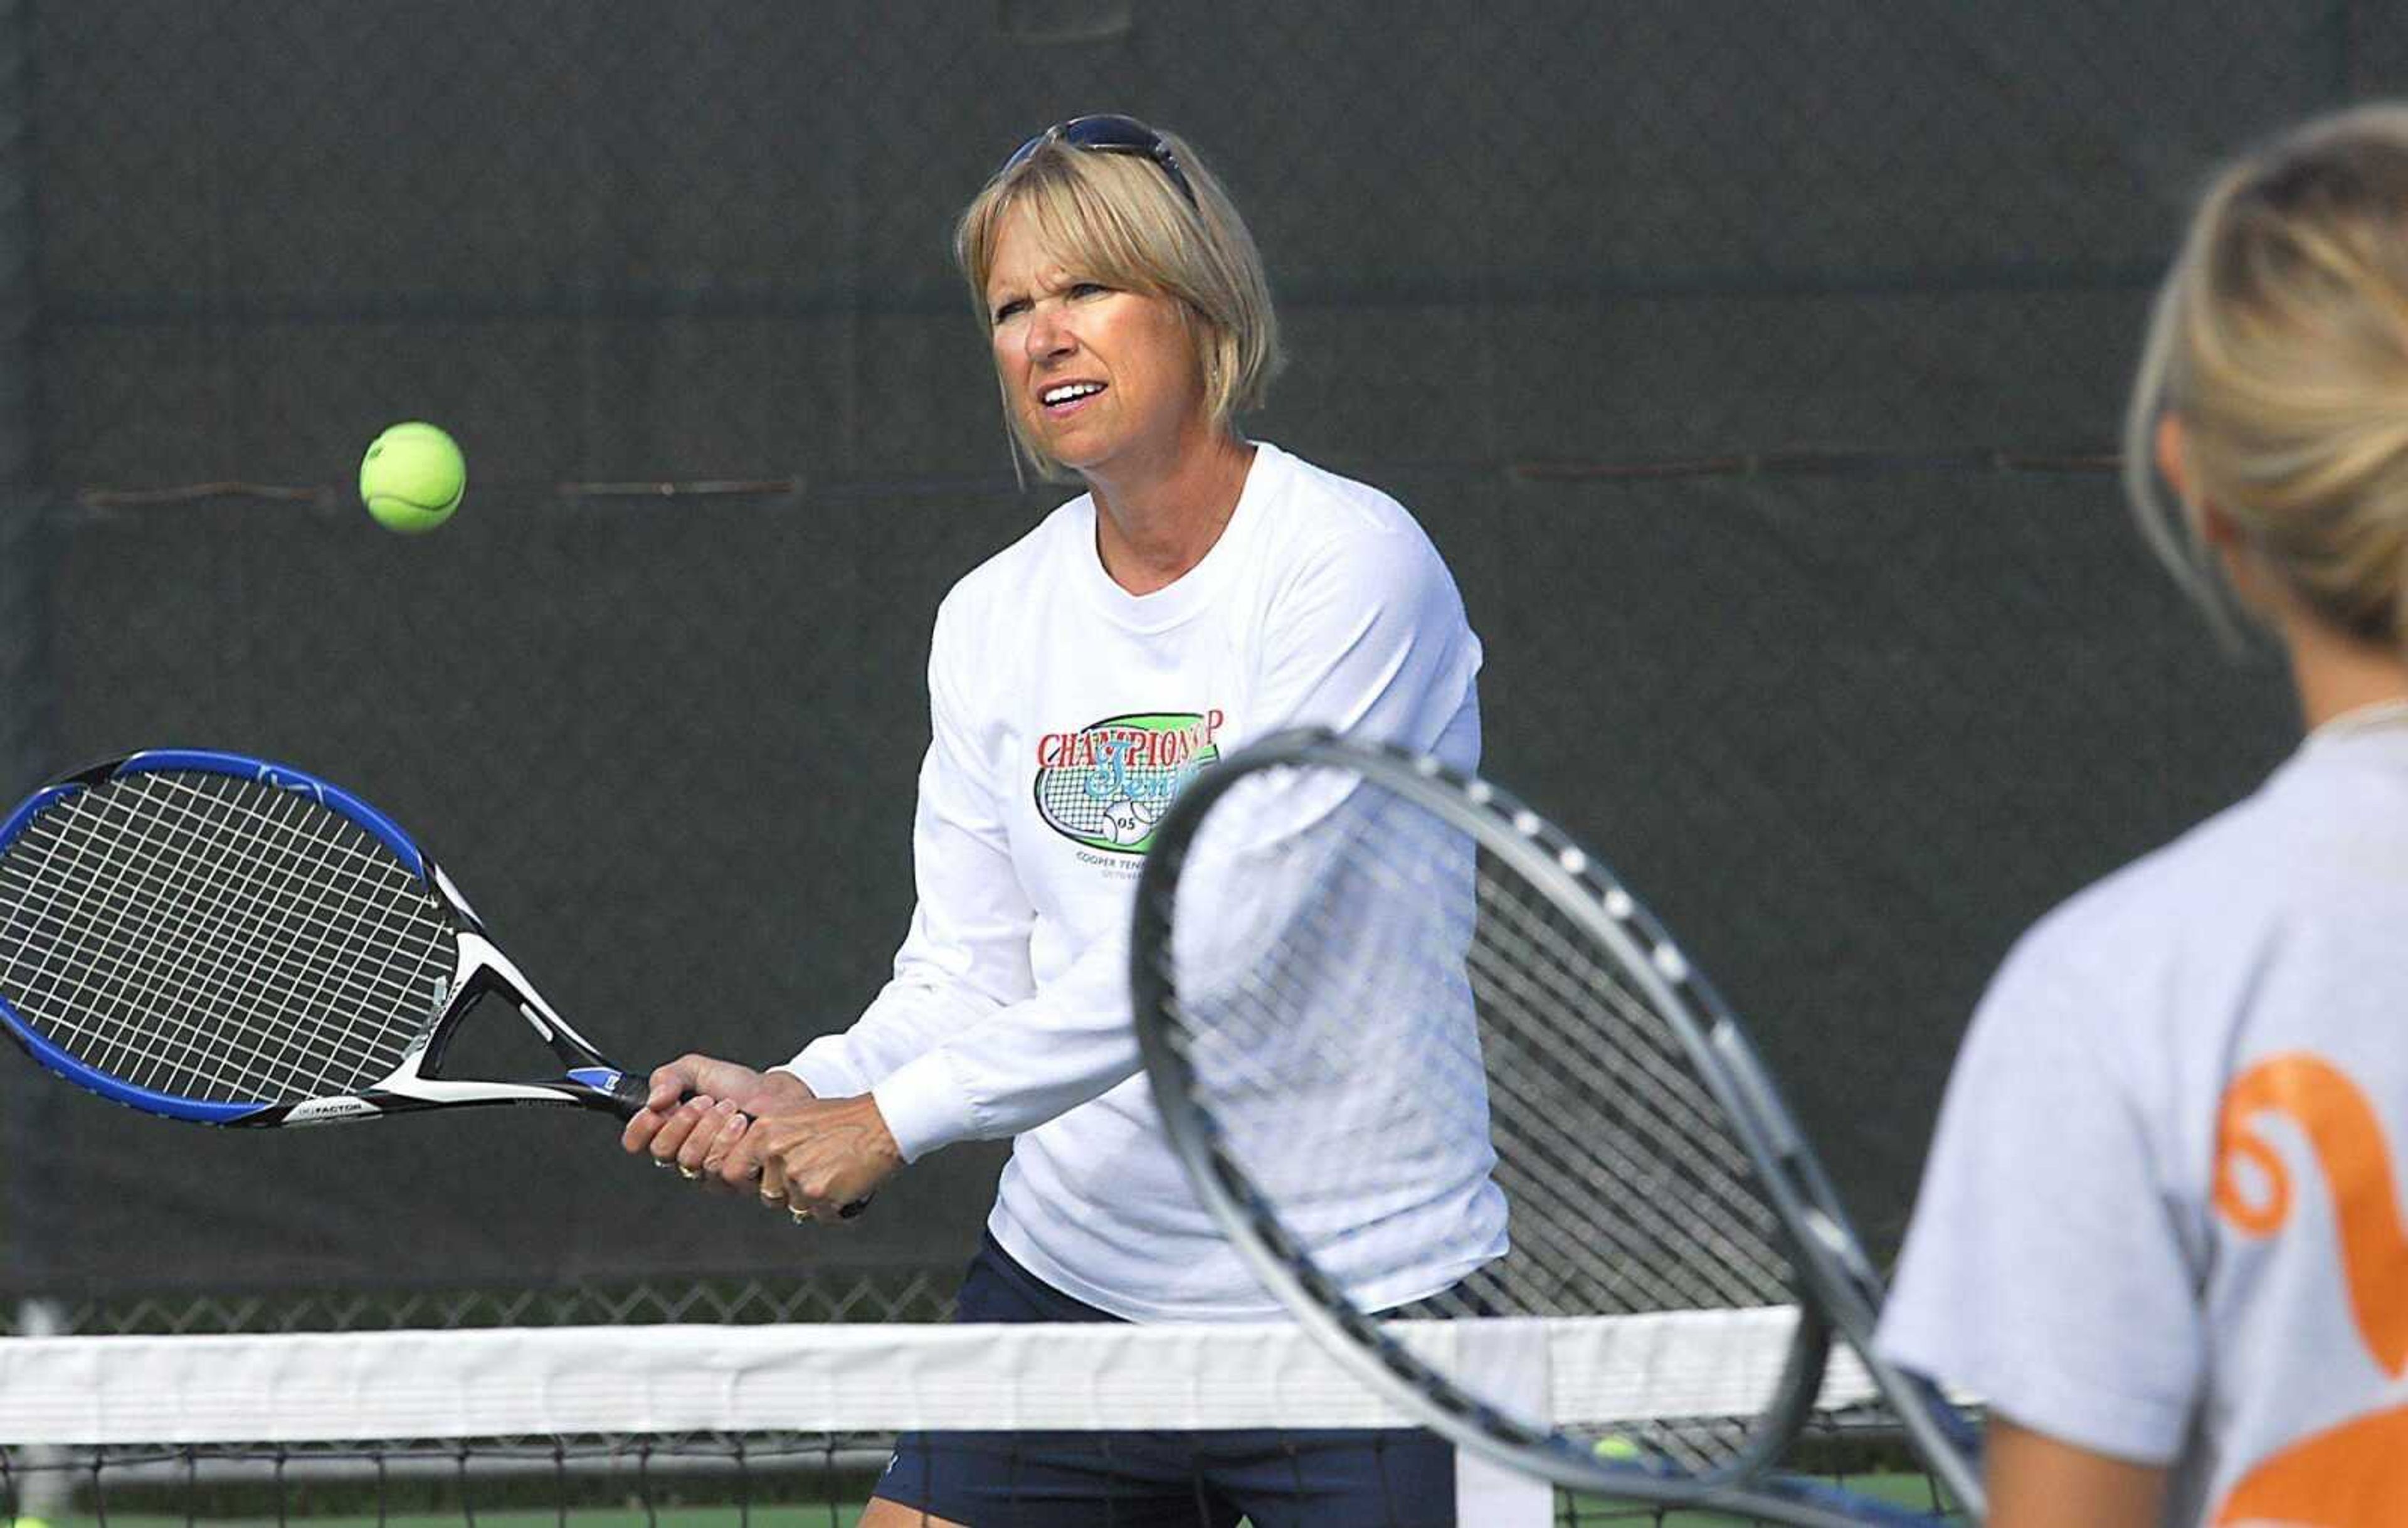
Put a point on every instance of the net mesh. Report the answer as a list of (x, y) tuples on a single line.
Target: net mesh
[(218, 938), (711, 1424)]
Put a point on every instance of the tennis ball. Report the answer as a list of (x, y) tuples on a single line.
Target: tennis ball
[(1616, 1448), (412, 478)]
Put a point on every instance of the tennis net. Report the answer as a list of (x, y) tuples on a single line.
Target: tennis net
[(688, 1425)]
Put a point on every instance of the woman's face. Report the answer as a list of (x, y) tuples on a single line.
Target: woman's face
[(1100, 378)]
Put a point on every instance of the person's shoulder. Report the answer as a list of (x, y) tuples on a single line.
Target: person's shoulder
[(1320, 517), (1319, 503), (2203, 888)]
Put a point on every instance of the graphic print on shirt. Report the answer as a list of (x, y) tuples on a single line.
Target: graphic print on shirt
[(2356, 1473), (1106, 785)]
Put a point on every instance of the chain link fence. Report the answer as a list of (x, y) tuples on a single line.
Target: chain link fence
[(892, 1296), (1754, 365)]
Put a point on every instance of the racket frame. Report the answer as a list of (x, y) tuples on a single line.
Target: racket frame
[(1836, 1285), (479, 969)]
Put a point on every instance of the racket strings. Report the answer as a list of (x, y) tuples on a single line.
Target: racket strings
[(221, 943), (1628, 1192), (343, 979), (185, 927), (1555, 974), (269, 950), (1377, 1017), (1580, 1046), (191, 926), (113, 918), (133, 920), (285, 879)]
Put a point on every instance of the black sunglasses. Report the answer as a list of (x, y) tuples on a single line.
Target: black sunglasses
[(1109, 134)]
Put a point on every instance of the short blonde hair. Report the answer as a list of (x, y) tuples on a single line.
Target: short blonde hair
[(1119, 218), (2280, 342)]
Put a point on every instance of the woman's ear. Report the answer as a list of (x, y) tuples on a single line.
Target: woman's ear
[(2245, 575), (2174, 465), (2214, 527)]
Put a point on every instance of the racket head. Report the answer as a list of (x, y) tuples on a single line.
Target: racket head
[(217, 938), (1352, 969)]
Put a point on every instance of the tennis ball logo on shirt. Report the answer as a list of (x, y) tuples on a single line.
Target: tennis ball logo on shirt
[(1108, 784)]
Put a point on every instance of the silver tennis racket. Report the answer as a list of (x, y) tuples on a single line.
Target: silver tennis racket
[(1365, 986)]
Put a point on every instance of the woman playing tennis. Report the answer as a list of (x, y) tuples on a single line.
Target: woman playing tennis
[(2160, 1231), (1204, 589)]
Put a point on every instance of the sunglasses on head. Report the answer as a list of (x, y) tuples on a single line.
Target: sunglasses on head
[(1109, 134)]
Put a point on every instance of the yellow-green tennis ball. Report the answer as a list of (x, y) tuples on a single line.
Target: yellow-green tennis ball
[(1618, 1450), (412, 478)]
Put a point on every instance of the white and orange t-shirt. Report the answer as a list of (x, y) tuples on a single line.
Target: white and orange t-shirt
[(2162, 1216)]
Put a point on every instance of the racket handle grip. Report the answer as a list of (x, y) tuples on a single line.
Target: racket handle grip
[(628, 1093)]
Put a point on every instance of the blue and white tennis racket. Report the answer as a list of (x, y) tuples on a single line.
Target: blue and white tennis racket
[(219, 939)]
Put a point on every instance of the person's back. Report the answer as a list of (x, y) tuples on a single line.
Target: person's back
[(2178, 1070), (2160, 1231)]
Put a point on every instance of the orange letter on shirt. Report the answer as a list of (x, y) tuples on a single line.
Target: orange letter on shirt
[(2357, 1472)]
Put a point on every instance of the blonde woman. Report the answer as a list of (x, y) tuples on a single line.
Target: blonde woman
[(2161, 1230), (1203, 589)]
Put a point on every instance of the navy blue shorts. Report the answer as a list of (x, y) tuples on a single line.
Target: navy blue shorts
[(1385, 1477)]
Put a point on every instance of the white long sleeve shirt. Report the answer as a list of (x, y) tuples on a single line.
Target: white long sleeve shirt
[(1064, 710)]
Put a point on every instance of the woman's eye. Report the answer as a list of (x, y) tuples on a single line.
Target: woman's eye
[(1088, 289), (1013, 308)]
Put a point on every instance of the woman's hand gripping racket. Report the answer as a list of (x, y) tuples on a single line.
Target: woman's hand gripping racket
[(1356, 974), (218, 939)]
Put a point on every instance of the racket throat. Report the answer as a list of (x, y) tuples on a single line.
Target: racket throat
[(586, 1078)]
